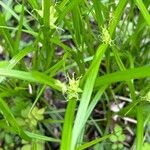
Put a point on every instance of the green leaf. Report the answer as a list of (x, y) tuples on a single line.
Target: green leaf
[(16, 59), (113, 138), (19, 32), (114, 146), (68, 124), (118, 130), (121, 138), (41, 137), (144, 11), (120, 145), (26, 147), (34, 76), (135, 73), (91, 143), (11, 119), (18, 8)]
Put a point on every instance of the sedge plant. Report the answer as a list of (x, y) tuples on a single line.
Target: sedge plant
[(64, 63)]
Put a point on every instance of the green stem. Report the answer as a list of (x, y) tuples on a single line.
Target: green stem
[(46, 13), (68, 124), (47, 49), (140, 127), (139, 111), (18, 36), (144, 11)]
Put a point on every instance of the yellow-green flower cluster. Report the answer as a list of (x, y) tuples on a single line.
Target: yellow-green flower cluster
[(73, 89), (106, 36)]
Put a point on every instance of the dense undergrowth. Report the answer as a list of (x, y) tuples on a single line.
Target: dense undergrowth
[(74, 74)]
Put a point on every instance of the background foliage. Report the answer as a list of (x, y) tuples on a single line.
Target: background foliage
[(74, 74)]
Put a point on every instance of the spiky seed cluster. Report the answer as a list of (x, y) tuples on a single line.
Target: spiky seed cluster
[(73, 89), (106, 36)]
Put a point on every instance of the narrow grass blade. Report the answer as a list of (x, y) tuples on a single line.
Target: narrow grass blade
[(144, 11), (33, 3), (17, 58), (94, 102), (63, 3), (46, 34), (41, 137), (37, 98), (129, 74), (92, 106), (57, 67), (129, 110), (99, 16), (76, 17), (6, 35), (36, 77), (35, 34), (89, 144), (18, 35), (68, 124), (46, 13), (85, 99), (30, 135), (140, 126), (68, 8)]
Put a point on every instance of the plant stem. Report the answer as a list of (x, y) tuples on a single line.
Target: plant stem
[(140, 127), (68, 124)]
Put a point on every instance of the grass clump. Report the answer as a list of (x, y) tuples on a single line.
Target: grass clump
[(71, 71)]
